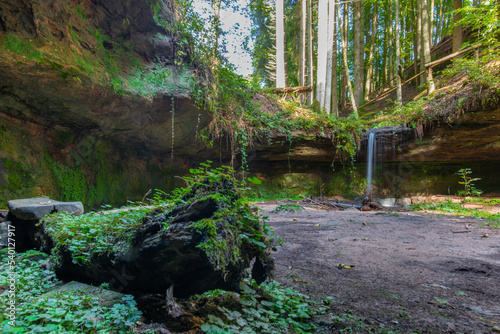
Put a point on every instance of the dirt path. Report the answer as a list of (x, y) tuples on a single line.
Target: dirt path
[(412, 272)]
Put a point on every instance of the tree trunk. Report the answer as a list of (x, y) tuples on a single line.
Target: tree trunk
[(373, 40), (427, 46), (457, 29), (390, 47), (310, 67), (399, 69), (343, 86), (303, 57), (322, 52), (419, 41), (331, 75), (280, 45), (385, 50), (343, 78), (431, 20), (376, 71), (215, 27), (346, 66), (358, 9), (439, 23)]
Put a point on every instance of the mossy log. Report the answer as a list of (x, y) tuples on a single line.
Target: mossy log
[(169, 249)]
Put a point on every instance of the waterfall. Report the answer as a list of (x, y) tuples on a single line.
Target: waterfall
[(370, 161)]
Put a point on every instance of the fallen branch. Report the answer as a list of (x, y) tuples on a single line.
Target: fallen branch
[(453, 55)]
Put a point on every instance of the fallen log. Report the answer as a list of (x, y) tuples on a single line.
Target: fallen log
[(186, 246), (205, 238), (290, 90)]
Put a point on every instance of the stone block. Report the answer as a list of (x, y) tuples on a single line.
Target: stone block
[(38, 207)]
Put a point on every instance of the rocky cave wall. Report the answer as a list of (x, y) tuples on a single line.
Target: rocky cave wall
[(94, 97)]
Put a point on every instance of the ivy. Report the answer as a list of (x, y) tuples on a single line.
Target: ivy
[(59, 312), (265, 308)]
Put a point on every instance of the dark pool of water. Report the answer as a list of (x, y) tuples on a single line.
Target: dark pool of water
[(394, 179)]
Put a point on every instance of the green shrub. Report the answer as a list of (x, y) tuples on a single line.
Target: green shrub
[(469, 189)]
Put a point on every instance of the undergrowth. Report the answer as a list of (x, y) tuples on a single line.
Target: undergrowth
[(493, 219), (288, 208), (93, 233), (265, 308), (57, 312), (234, 226)]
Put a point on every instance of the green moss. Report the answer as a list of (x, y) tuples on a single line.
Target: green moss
[(71, 181), (233, 227), (79, 11), (150, 81), (92, 234), (14, 44)]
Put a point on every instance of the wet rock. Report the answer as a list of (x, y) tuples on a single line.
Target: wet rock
[(390, 140)]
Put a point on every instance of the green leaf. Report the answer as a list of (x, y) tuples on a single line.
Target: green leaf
[(246, 302)]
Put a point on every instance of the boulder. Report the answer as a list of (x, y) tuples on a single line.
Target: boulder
[(387, 202), (403, 201)]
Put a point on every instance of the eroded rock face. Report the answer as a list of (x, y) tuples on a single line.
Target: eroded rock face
[(71, 64), (474, 137), (74, 93), (389, 142)]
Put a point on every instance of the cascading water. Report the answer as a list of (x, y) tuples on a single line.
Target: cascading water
[(370, 161)]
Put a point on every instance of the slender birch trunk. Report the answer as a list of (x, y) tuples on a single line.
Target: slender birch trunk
[(329, 94), (439, 25), (322, 52), (310, 50), (303, 53), (420, 46), (390, 48), (426, 45), (432, 10)]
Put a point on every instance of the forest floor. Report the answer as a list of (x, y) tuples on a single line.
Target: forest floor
[(402, 272)]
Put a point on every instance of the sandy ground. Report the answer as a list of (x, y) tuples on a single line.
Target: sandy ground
[(409, 271)]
